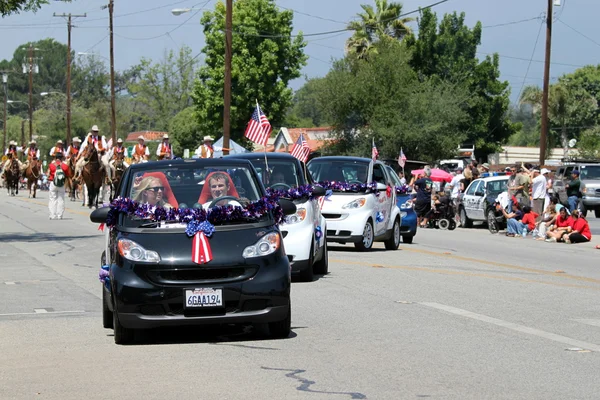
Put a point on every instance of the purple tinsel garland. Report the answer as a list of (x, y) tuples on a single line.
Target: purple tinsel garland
[(300, 192), (404, 189), (350, 187)]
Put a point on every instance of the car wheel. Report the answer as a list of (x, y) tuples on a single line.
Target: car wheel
[(597, 212), (307, 275), (393, 242), (408, 239), (493, 225), (122, 335), (282, 329), (444, 224), (107, 315), (368, 236), (465, 222), (452, 225), (322, 266)]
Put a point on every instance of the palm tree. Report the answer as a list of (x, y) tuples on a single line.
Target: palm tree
[(383, 22)]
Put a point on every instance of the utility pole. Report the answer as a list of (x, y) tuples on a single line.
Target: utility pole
[(544, 132), (227, 88), (113, 117), (5, 84), (69, 27), (23, 132), (30, 94)]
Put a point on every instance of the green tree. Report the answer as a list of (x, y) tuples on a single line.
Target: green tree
[(448, 52), (528, 132), (263, 64), (165, 87), (375, 24), (184, 131), (589, 144), (306, 111), (8, 7), (89, 80)]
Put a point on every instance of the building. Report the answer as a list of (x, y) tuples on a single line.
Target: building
[(511, 155), (286, 138), (149, 136)]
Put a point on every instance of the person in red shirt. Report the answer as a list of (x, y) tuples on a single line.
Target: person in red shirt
[(56, 195), (579, 231), (529, 218), (562, 223)]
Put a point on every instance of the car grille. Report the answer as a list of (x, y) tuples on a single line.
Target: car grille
[(198, 275), (284, 233), (332, 216), (338, 233), (597, 191)]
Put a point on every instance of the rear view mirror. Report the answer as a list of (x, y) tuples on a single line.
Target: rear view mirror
[(479, 193), (318, 191), (287, 206), (381, 187), (99, 215)]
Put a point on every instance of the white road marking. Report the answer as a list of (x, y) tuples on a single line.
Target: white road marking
[(42, 312), (515, 327), (592, 322), (10, 283)]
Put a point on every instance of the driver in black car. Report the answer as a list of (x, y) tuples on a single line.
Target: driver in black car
[(219, 186)]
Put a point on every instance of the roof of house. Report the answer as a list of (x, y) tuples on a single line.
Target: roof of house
[(286, 138), (149, 136)]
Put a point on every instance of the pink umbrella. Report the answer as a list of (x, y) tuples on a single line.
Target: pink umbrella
[(438, 175)]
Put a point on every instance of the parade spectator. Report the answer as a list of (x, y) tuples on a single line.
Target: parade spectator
[(561, 224), (538, 191), (522, 183), (549, 183), (423, 186), (513, 220), (58, 172), (455, 186), (547, 219), (579, 231), (573, 190), (529, 220)]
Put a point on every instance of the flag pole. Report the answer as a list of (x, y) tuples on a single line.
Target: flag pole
[(265, 145)]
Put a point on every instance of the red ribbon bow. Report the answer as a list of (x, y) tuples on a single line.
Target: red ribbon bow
[(388, 191), (201, 252)]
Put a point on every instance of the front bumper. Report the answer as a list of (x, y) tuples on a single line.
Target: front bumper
[(346, 226), (591, 202), (143, 303), (409, 222), (297, 239)]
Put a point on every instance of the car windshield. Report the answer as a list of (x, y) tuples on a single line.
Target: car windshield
[(497, 187), (281, 174), (339, 171), (590, 172), (191, 186), (393, 176)]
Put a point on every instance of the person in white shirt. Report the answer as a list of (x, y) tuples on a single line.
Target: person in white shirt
[(99, 142), (32, 153), (13, 149), (164, 151), (114, 154), (455, 185), (538, 191), (546, 173), (74, 148), (141, 154), (58, 148), (207, 150)]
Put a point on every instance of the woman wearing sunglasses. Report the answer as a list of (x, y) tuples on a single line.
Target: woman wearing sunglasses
[(150, 191)]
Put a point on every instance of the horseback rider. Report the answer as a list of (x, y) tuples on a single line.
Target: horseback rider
[(99, 142), (119, 149), (73, 150), (207, 150), (32, 153), (11, 153), (141, 152), (58, 148), (164, 149)]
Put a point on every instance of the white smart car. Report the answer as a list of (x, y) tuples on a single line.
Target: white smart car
[(361, 207), (304, 232)]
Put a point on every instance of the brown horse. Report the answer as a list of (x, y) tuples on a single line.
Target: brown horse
[(12, 175), (71, 184), (32, 174), (119, 171), (93, 175)]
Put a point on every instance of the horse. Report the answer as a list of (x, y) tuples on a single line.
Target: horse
[(119, 171), (12, 175), (71, 183), (32, 174), (93, 175)]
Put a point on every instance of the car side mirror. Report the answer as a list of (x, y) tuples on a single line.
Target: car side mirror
[(381, 187), (318, 191), (99, 215), (287, 206), (480, 193)]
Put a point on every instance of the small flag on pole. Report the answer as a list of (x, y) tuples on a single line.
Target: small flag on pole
[(401, 159), (301, 149), (374, 152), (321, 202), (201, 252), (259, 127)]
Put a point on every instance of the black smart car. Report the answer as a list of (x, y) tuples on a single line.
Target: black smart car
[(158, 274)]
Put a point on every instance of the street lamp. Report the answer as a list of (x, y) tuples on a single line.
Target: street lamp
[(5, 82), (48, 93), (227, 80)]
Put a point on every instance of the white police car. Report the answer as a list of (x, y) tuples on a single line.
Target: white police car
[(303, 232), (361, 207)]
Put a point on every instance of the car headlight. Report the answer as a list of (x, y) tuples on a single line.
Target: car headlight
[(268, 244), (134, 252), (298, 217), (358, 203), (408, 204)]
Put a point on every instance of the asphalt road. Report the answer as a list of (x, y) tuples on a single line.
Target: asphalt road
[(456, 315)]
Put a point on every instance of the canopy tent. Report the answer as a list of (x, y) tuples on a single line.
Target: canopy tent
[(235, 148)]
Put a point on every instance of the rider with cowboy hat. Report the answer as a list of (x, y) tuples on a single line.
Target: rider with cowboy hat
[(12, 151), (32, 153), (73, 149), (118, 149), (164, 149), (140, 151), (56, 149), (207, 150), (99, 142)]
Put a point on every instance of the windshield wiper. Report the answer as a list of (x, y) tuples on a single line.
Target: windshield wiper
[(152, 224)]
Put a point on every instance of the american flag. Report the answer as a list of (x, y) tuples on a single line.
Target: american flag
[(321, 202), (401, 159), (374, 152), (259, 127), (201, 252), (301, 149)]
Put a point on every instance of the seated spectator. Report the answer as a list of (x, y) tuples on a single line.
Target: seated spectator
[(529, 220), (513, 220), (547, 219), (580, 230), (562, 222)]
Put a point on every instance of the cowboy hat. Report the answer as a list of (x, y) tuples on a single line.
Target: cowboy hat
[(165, 136), (95, 128), (141, 138), (485, 165), (59, 141), (12, 143), (76, 139), (119, 140), (32, 141), (208, 139)]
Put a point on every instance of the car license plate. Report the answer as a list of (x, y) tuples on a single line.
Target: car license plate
[(200, 298)]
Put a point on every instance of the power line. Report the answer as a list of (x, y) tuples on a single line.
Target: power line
[(580, 33), (537, 39), (313, 16), (535, 61), (512, 22)]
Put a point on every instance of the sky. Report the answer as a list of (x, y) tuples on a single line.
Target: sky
[(146, 28)]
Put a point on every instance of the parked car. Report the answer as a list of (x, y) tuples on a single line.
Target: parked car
[(158, 276), (362, 208), (589, 174), (304, 232), (478, 202), (408, 227)]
